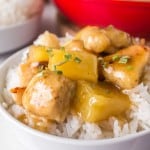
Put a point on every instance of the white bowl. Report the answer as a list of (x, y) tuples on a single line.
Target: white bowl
[(16, 36), (36, 140)]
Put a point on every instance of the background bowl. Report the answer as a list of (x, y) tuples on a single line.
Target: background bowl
[(36, 140), (130, 16), (16, 36)]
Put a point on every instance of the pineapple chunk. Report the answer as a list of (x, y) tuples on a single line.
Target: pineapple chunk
[(38, 54), (125, 67), (74, 64), (97, 102)]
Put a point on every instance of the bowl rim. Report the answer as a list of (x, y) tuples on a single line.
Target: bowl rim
[(23, 23), (9, 118)]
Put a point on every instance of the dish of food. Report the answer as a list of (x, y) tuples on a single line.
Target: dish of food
[(19, 18), (15, 12), (94, 85)]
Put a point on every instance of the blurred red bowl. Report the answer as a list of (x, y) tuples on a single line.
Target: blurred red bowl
[(130, 16)]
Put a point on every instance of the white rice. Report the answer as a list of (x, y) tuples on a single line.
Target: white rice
[(141, 105), (146, 78), (16, 110), (74, 127), (17, 11), (12, 79), (90, 131), (64, 40)]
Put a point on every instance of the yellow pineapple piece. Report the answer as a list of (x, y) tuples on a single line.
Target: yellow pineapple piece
[(38, 54), (97, 102), (74, 64)]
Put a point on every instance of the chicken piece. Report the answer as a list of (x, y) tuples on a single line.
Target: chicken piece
[(94, 40), (37, 122), (125, 67), (119, 39), (17, 94), (97, 102), (48, 39), (27, 70), (48, 95), (36, 61), (75, 45)]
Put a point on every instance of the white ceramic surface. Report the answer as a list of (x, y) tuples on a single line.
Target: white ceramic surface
[(19, 35), (8, 140), (41, 141)]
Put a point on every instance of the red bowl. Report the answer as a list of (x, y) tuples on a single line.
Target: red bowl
[(130, 16)]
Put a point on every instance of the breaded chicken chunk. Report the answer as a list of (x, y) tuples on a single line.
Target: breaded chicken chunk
[(49, 95)]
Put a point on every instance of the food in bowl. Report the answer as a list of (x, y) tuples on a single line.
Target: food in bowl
[(16, 11), (19, 18), (94, 85)]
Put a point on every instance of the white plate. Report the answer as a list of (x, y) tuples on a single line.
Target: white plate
[(17, 36)]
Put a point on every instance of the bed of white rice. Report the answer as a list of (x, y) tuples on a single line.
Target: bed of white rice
[(74, 127), (17, 11)]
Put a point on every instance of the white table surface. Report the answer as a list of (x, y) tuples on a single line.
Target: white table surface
[(8, 140)]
